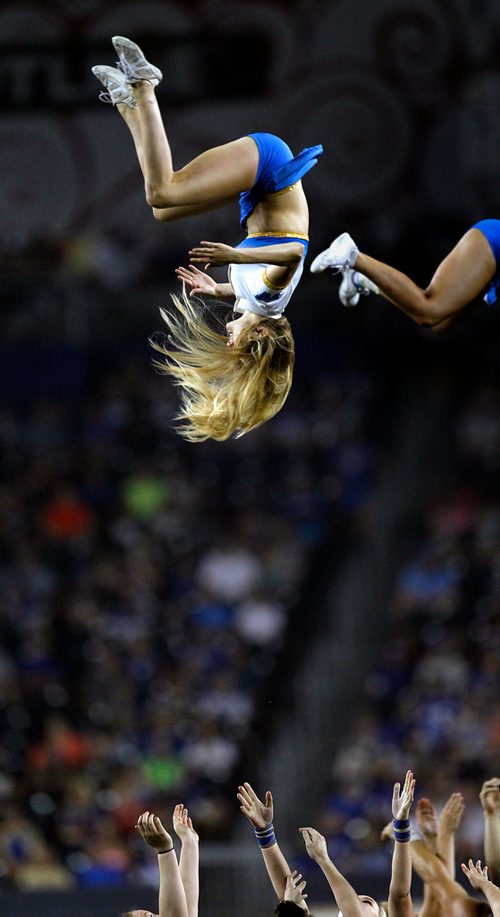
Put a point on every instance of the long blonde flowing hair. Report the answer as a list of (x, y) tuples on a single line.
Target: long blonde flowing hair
[(224, 391)]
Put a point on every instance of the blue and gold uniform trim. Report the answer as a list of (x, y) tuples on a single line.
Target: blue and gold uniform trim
[(260, 239), (274, 237), (274, 287), (283, 190), (283, 235)]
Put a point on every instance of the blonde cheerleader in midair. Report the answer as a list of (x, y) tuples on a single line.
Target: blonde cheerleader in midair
[(233, 379)]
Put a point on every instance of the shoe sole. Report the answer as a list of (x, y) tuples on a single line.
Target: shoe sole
[(325, 260), (119, 42), (350, 303), (350, 293), (321, 263), (127, 99)]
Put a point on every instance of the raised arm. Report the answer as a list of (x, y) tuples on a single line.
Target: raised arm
[(400, 903), (171, 897), (478, 878), (346, 898), (490, 802), (189, 858), (260, 815), (216, 253), (449, 821)]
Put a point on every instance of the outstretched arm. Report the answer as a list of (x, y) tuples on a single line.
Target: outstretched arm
[(260, 815), (490, 802), (400, 903), (449, 821), (346, 898), (283, 254), (478, 878), (171, 897), (201, 283), (189, 858)]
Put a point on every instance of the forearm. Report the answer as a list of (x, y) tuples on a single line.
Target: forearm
[(286, 254), (432, 871), (492, 894), (446, 850), (224, 291), (277, 868), (400, 904), (179, 211), (171, 896), (189, 870), (492, 844), (346, 898)]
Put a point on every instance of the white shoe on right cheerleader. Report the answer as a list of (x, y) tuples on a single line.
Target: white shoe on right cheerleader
[(340, 256), (353, 286)]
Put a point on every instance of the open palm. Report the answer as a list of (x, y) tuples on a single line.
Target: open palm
[(258, 813), (403, 798), (197, 280)]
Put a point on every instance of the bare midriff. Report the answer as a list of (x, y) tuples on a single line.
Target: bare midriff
[(284, 212)]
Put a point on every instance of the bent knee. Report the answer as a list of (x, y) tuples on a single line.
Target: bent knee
[(165, 191), (157, 197), (162, 214), (432, 310)]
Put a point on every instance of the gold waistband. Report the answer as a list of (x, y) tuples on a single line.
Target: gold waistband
[(283, 190), (285, 233)]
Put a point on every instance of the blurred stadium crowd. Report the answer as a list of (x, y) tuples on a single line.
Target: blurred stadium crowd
[(148, 596), (148, 586)]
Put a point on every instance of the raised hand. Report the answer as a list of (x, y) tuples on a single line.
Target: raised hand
[(183, 826), (451, 815), (427, 822), (152, 831), (490, 796), (476, 874), (213, 253), (258, 813), (294, 888), (197, 281), (315, 843), (402, 799)]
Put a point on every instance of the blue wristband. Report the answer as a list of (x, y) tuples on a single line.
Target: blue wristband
[(402, 832), (265, 836)]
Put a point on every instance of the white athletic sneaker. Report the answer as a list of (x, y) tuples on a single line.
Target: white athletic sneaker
[(118, 88), (133, 63), (353, 286), (340, 256)]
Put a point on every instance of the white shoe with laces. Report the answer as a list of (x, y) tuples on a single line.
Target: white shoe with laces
[(117, 87), (132, 62), (353, 286), (340, 256)]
